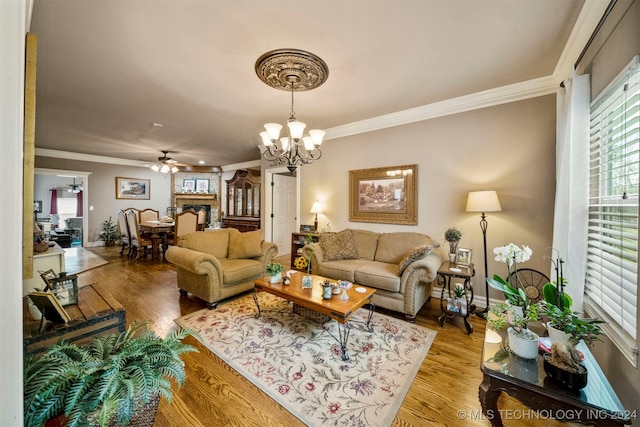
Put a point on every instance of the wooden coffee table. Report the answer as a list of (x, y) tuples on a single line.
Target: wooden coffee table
[(311, 298)]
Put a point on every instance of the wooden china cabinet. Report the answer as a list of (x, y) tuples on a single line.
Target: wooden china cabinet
[(243, 201)]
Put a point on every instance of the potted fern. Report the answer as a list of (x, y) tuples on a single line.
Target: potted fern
[(108, 381), (109, 232)]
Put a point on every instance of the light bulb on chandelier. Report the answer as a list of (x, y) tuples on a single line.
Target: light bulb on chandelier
[(291, 69)]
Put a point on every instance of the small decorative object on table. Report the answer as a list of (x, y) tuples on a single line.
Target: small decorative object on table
[(453, 235), (274, 270), (517, 310), (326, 289)]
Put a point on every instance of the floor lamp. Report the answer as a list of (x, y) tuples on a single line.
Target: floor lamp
[(484, 201)]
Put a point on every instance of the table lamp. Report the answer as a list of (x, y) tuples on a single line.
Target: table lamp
[(316, 209), (484, 201)]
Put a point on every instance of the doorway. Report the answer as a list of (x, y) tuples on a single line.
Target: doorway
[(282, 204), (46, 179)]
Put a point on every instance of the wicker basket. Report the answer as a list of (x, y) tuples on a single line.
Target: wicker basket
[(143, 417), (310, 314), (40, 247)]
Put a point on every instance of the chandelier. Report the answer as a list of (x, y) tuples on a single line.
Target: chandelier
[(294, 70), (165, 164)]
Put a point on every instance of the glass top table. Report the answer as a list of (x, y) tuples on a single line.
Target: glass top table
[(526, 381)]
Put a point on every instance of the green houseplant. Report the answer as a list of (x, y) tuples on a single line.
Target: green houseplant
[(106, 381), (109, 232), (452, 235), (274, 271)]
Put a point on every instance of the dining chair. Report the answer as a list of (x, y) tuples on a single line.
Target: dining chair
[(125, 235), (148, 215), (139, 243), (185, 222), (202, 219)]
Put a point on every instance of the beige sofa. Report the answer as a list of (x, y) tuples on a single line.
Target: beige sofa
[(401, 266), (214, 265)]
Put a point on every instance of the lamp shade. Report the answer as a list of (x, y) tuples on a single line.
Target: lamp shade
[(316, 208), (483, 201)]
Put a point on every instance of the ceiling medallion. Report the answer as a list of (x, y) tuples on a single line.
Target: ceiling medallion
[(291, 69)]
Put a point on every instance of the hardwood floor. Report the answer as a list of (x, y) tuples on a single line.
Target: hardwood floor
[(215, 395)]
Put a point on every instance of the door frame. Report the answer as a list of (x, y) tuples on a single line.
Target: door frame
[(268, 200), (85, 193)]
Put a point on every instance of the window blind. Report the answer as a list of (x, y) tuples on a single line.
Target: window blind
[(611, 288)]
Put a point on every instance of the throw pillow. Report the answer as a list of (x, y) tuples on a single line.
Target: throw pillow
[(245, 245), (413, 255), (338, 246)]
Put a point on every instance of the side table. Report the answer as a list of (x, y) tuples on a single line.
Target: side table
[(596, 404), (450, 305)]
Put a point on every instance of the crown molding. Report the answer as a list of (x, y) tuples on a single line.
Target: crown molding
[(68, 155), (587, 22), (502, 95)]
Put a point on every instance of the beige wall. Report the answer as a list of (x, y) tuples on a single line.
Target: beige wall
[(508, 148)]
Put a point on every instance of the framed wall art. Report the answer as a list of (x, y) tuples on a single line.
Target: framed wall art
[(202, 185), (189, 184), (133, 188), (385, 195), (464, 256)]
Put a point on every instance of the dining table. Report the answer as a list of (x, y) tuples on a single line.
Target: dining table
[(157, 230)]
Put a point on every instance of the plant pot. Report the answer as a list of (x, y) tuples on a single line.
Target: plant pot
[(523, 346), (276, 278), (568, 379), (556, 335), (513, 309), (452, 258)]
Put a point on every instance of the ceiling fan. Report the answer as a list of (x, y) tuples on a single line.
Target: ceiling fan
[(165, 164), (74, 188)]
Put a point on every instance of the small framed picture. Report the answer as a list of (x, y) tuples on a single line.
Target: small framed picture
[(307, 282), (189, 184), (202, 185), (464, 256), (306, 228)]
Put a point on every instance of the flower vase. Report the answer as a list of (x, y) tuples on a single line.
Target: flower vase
[(523, 344), (452, 258)]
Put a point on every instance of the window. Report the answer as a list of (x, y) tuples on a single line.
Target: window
[(611, 288)]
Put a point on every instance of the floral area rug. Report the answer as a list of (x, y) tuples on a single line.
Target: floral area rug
[(297, 362)]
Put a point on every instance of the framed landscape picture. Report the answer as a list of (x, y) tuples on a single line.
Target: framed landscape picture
[(133, 188), (386, 195)]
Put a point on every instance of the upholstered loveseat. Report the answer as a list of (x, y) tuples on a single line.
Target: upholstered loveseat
[(214, 265), (401, 266)]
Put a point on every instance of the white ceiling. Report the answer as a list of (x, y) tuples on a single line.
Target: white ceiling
[(109, 69)]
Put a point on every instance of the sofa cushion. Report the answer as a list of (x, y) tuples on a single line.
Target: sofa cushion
[(393, 246), (338, 246), (366, 243), (245, 245), (379, 275), (414, 254), (238, 270), (340, 270), (214, 242)]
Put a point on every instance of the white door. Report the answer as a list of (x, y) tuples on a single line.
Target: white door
[(283, 211)]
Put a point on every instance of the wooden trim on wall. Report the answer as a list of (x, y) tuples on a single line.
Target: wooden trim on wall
[(31, 53)]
